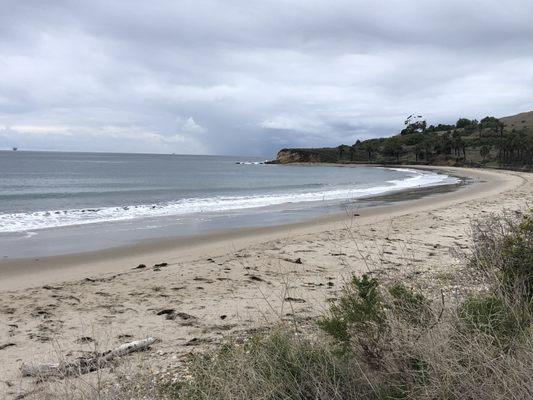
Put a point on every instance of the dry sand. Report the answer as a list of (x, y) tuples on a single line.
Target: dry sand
[(231, 283)]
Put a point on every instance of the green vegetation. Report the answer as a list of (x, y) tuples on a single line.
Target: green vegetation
[(489, 142), (279, 365), (392, 342), (507, 254), (360, 310), (488, 316)]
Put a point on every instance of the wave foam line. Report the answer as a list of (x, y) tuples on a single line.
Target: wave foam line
[(21, 222)]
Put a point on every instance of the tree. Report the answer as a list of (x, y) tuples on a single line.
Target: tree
[(352, 152), (414, 124), (394, 148), (490, 123), (370, 147), (444, 143), (342, 149), (458, 144), (465, 122), (419, 151), (484, 152)]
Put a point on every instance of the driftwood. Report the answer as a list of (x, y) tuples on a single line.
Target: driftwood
[(85, 364)]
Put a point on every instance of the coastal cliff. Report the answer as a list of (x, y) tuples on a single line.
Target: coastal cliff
[(287, 156)]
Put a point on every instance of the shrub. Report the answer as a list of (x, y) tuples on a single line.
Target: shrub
[(278, 365), (359, 309), (362, 310), (412, 307), (489, 317), (503, 251), (359, 315), (517, 249)]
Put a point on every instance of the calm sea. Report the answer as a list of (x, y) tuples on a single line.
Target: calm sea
[(40, 191)]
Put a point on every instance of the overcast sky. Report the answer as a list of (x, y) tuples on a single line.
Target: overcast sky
[(249, 77)]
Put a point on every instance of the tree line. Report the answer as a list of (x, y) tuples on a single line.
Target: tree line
[(467, 142)]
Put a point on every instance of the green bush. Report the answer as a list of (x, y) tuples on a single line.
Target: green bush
[(364, 317), (358, 315), (517, 249), (362, 310), (278, 365), (503, 251), (488, 316), (412, 307)]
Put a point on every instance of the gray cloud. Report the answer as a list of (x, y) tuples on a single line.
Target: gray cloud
[(246, 77)]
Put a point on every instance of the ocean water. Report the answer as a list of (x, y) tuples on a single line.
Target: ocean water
[(42, 191)]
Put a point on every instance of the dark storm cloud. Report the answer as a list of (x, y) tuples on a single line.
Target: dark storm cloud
[(246, 77)]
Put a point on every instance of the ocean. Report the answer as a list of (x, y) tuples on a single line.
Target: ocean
[(53, 194)]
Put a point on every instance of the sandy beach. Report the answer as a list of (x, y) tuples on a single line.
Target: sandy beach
[(194, 292)]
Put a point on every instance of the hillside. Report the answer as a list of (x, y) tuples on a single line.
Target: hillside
[(491, 142), (517, 121)]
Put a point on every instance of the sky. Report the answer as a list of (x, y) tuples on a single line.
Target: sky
[(246, 77)]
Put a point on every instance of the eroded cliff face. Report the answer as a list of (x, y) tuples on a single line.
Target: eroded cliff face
[(287, 156)]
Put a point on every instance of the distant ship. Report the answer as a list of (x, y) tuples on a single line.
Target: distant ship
[(15, 148)]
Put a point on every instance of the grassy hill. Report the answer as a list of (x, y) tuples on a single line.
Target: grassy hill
[(518, 121), (491, 142)]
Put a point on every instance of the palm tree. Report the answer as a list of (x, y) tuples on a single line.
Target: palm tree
[(419, 151), (370, 148), (393, 147), (341, 151), (352, 152), (484, 152)]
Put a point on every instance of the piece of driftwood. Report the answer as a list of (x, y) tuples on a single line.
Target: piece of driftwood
[(85, 364)]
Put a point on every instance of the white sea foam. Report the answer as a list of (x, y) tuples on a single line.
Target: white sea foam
[(22, 222)]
